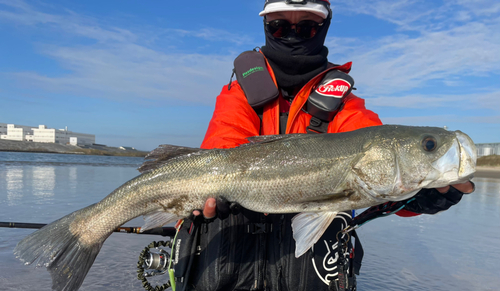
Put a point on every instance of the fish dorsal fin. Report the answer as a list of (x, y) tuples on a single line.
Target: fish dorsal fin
[(165, 153), (271, 138), (158, 219), (308, 227)]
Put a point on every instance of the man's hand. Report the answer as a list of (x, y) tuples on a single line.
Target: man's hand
[(465, 188), (209, 211), (220, 208), (431, 201)]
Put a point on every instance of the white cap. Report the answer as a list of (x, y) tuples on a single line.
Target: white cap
[(316, 8)]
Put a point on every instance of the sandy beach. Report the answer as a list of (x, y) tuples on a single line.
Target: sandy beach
[(488, 172)]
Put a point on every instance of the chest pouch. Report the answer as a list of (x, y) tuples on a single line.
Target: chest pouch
[(326, 98), (254, 78)]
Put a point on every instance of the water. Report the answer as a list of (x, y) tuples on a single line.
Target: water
[(40, 188), (454, 250)]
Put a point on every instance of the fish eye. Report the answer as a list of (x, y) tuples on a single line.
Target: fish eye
[(429, 143)]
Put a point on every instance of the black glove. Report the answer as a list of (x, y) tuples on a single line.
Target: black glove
[(225, 208), (431, 201)]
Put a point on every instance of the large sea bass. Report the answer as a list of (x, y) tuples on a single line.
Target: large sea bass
[(316, 174)]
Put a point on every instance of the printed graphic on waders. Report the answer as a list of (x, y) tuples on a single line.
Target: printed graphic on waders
[(326, 251)]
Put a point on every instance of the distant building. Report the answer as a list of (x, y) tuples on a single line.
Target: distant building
[(487, 149), (3, 128), (73, 140), (17, 132), (46, 135)]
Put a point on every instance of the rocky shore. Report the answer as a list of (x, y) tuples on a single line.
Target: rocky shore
[(37, 147)]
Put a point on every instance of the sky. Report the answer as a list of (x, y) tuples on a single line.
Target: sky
[(145, 73)]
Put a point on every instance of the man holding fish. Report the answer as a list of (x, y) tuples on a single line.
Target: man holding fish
[(273, 209), (296, 63)]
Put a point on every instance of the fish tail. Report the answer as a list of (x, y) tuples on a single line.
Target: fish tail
[(63, 253)]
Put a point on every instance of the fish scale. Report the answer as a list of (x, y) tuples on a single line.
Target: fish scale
[(315, 174)]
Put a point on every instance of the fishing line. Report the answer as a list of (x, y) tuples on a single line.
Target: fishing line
[(373, 213)]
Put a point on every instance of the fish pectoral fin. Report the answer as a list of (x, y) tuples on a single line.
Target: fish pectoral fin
[(308, 227), (158, 219)]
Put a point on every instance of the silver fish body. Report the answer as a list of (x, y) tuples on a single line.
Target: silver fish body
[(317, 175)]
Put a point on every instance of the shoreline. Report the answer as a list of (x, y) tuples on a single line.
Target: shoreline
[(487, 172), (53, 148)]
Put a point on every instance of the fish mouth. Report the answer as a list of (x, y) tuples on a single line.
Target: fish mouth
[(468, 156), (457, 165)]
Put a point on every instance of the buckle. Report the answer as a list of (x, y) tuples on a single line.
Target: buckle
[(259, 228), (315, 122), (316, 125)]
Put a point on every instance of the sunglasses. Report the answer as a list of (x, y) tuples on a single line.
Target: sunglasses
[(281, 28)]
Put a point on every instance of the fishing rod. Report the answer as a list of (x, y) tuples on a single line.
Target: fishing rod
[(152, 260), (163, 231)]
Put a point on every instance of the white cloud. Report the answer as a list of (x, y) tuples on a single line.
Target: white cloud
[(416, 101), (442, 120), (431, 47), (212, 34), (481, 100), (119, 64), (399, 63), (487, 101), (403, 13), (480, 7), (421, 15), (122, 64), (435, 120), (129, 72)]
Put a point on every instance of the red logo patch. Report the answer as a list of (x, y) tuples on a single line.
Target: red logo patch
[(335, 88)]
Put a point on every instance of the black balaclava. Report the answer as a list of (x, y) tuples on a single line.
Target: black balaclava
[(295, 61)]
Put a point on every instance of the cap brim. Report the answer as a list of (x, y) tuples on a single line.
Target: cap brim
[(315, 8)]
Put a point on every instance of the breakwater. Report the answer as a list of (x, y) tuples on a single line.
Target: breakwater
[(37, 147)]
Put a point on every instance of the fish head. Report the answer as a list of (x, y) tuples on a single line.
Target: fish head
[(456, 165), (401, 160)]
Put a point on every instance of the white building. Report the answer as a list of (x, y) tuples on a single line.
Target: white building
[(17, 132), (62, 136), (487, 149), (46, 135)]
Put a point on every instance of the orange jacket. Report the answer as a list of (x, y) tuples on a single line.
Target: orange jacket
[(234, 119)]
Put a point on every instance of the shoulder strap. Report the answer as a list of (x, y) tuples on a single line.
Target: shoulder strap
[(326, 100), (323, 103), (251, 72)]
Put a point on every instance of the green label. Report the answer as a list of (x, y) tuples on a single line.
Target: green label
[(252, 70)]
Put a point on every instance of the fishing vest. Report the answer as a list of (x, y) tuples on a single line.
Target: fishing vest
[(324, 101)]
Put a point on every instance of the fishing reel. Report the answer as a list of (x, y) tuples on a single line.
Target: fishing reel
[(157, 262), (154, 261)]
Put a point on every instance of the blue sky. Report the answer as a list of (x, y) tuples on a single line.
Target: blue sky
[(144, 73)]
